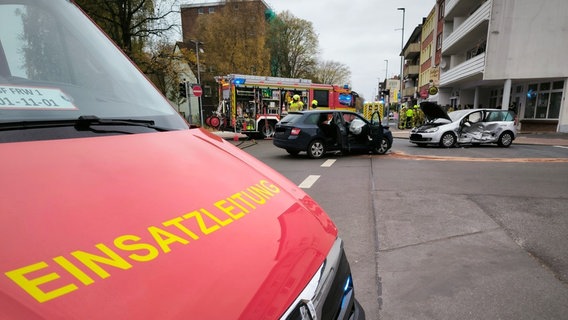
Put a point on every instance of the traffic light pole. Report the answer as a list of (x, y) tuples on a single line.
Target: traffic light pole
[(184, 93)]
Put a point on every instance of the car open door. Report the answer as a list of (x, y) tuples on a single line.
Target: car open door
[(376, 128), (340, 122)]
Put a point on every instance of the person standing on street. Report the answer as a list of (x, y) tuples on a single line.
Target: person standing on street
[(402, 118), (314, 104), (296, 104), (409, 118)]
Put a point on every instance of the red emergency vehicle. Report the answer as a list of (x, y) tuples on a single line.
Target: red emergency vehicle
[(109, 210), (252, 105)]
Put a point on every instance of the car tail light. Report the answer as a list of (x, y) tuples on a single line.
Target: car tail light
[(295, 131)]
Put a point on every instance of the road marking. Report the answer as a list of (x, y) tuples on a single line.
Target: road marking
[(563, 147), (328, 163), (403, 155), (309, 181)]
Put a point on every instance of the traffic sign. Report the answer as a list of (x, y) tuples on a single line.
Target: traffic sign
[(197, 90)]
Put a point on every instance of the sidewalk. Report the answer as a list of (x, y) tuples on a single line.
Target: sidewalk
[(544, 138)]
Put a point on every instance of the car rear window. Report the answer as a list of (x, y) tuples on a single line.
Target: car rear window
[(500, 116), (291, 118)]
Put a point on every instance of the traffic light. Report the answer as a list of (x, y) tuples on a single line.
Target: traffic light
[(183, 89)]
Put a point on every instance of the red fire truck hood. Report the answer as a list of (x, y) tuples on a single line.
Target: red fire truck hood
[(152, 226)]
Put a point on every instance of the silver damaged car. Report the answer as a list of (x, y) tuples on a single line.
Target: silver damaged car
[(469, 126)]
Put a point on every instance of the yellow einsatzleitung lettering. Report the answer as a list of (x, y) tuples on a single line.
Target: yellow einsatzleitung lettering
[(127, 249)]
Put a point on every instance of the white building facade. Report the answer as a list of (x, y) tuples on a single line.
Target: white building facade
[(507, 54)]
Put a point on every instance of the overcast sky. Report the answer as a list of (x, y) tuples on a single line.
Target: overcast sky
[(360, 34)]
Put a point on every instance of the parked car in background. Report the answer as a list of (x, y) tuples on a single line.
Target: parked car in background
[(109, 208), (317, 132), (461, 127)]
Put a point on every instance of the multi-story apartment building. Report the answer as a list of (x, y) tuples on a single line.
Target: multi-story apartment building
[(411, 71), (507, 54), (429, 71)]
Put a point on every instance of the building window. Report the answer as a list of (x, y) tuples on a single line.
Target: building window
[(495, 98), (441, 11), (544, 100), (211, 10), (200, 11), (207, 91), (439, 41)]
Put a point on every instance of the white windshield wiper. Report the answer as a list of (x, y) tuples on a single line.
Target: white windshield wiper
[(82, 123)]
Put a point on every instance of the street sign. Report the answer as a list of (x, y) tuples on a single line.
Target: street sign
[(197, 90)]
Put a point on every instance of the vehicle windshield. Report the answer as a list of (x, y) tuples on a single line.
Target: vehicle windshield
[(57, 65)]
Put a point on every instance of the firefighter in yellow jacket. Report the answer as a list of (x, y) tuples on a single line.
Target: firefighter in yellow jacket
[(296, 104), (409, 118), (402, 118)]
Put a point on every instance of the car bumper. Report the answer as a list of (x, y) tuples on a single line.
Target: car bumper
[(422, 138), (289, 143)]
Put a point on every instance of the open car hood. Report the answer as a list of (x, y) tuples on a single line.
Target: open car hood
[(152, 226), (434, 111)]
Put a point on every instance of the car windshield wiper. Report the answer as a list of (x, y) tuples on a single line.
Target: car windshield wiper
[(82, 123)]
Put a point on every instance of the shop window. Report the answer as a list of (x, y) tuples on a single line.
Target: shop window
[(495, 98), (544, 100)]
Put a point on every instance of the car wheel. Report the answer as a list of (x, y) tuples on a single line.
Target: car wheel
[(292, 152), (505, 139), (382, 148), (267, 129), (316, 149), (448, 140)]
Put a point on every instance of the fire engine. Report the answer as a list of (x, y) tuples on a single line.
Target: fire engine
[(252, 105)]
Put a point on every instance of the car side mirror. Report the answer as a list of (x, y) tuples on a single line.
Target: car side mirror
[(467, 124)]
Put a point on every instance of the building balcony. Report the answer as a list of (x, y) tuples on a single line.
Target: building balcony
[(409, 92), (412, 51), (468, 70), (474, 28), (411, 70)]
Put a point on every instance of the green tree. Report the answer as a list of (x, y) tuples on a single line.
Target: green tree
[(234, 39), (293, 46)]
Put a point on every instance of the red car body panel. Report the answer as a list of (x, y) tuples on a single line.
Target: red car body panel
[(151, 226)]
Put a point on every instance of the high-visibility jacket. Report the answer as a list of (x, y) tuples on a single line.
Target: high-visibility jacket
[(296, 105)]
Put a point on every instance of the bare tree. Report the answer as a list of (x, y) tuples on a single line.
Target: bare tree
[(130, 22), (332, 72)]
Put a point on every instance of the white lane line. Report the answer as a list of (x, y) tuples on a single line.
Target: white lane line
[(309, 182), (328, 163), (563, 147)]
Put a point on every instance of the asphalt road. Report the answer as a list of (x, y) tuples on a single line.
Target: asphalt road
[(432, 233)]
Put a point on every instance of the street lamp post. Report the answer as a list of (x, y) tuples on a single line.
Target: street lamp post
[(401, 53), (387, 70)]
